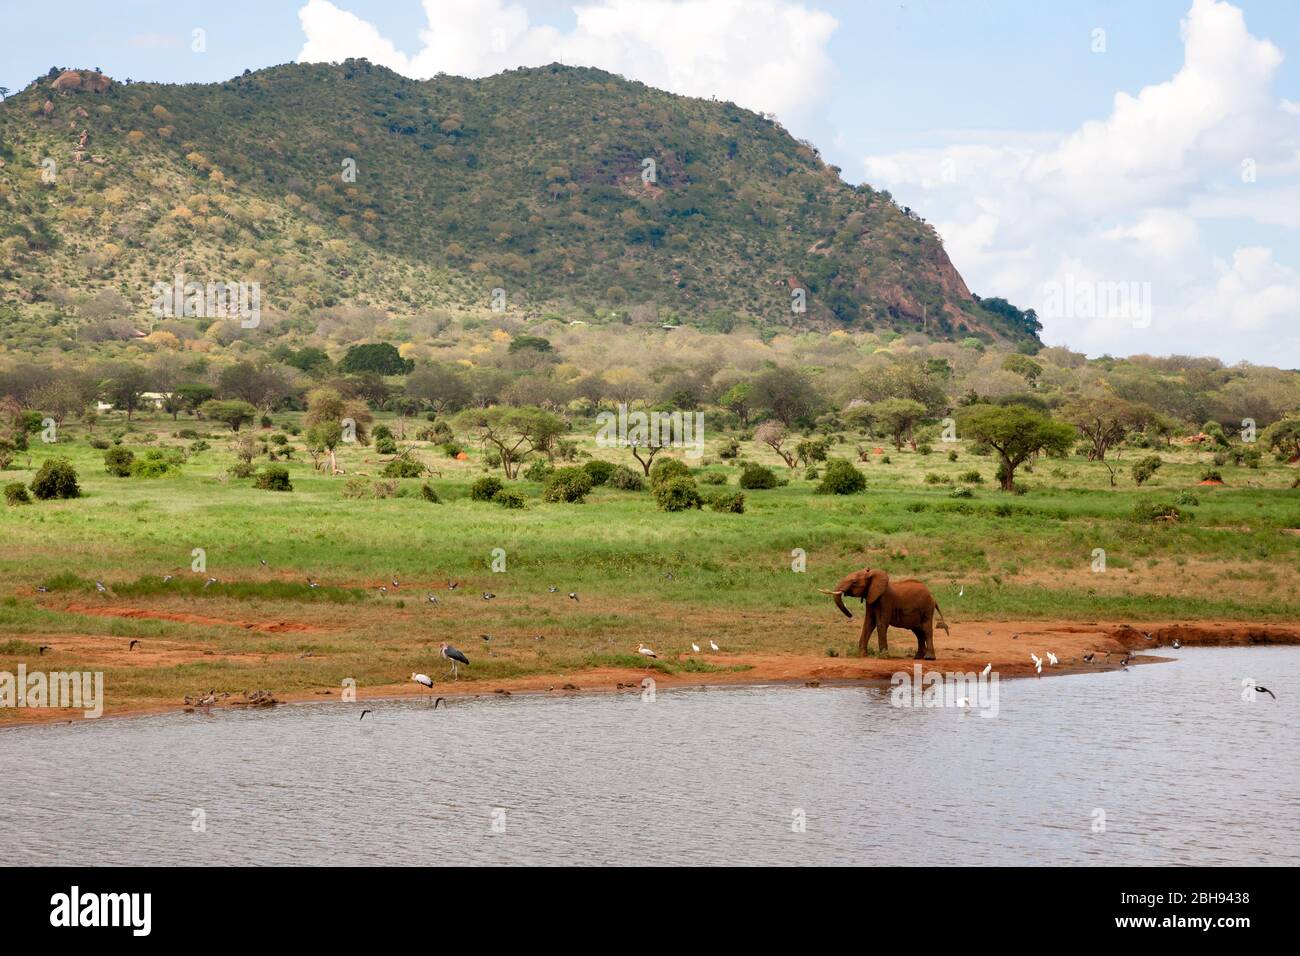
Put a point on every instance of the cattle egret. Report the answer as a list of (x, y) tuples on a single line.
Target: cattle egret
[(695, 647), (1265, 690), (962, 592), (642, 649), (1051, 659), (1038, 662), (455, 656), (987, 668)]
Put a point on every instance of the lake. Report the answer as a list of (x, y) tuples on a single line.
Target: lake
[(1184, 771)]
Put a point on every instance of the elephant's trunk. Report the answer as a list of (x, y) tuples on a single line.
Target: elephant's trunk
[(839, 601)]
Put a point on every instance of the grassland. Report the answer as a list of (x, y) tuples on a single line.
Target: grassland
[(639, 574)]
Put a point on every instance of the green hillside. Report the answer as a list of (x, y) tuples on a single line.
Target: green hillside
[(530, 181)]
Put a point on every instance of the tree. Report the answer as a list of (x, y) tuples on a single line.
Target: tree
[(187, 397), (231, 412), (442, 387), (1023, 366), (736, 399), (898, 417), (785, 393), (1284, 437), (123, 385), (263, 386), (773, 434), (333, 418), (380, 357), (1015, 433), (515, 433), (1105, 421)]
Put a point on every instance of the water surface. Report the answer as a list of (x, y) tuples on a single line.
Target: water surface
[(1184, 770)]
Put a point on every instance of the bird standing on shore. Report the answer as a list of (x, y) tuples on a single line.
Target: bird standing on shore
[(987, 669), (643, 650), (423, 679), (455, 656), (1177, 644)]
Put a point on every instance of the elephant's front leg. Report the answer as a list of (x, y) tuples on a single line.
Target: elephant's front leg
[(868, 625), (882, 630)]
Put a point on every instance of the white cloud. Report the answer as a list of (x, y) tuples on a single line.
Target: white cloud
[(1129, 198), (767, 55)]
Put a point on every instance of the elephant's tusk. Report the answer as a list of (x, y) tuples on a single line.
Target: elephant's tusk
[(824, 591)]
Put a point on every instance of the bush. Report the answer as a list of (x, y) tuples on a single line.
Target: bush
[(666, 469), (428, 494), (961, 493), (100, 443), (56, 479), (1211, 474), (403, 467), (156, 464), (510, 499), (841, 478), (242, 469), (1187, 499), (713, 478), (365, 488), (971, 477), (886, 460), (568, 485), (385, 445), (198, 446), (625, 479), (539, 470), (118, 461), (485, 488), (931, 478), (1144, 468), (599, 471), (756, 476), (952, 456), (382, 431), (924, 449), (1156, 511), (451, 449), (981, 448), (678, 494), (730, 449), (274, 478), (16, 494), (1251, 457), (1220, 458), (733, 503)]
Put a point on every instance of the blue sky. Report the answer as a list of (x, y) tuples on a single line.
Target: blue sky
[(975, 114)]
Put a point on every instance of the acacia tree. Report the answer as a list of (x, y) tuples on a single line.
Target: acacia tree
[(898, 417), (1015, 433), (1284, 437), (773, 434), (515, 433), (123, 385), (1105, 421), (331, 418)]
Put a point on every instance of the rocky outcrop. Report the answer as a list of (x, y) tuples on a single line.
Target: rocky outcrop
[(87, 82)]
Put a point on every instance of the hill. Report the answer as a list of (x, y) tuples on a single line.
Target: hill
[(349, 185)]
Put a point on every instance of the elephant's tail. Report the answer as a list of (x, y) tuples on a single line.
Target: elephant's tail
[(942, 623)]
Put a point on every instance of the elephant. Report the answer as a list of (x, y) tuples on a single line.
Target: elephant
[(906, 603)]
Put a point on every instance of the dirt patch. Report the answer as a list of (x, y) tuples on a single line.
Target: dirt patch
[(272, 627)]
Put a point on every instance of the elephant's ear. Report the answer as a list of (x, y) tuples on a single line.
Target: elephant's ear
[(879, 581)]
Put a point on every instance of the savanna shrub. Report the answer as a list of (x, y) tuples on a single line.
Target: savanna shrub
[(570, 485), (539, 470), (274, 478), (1144, 468), (756, 476), (1156, 511), (385, 445), (156, 464), (428, 494), (714, 478), (678, 494), (16, 494), (961, 493), (100, 443), (625, 479), (666, 469), (510, 499), (731, 503), (403, 468), (971, 477), (56, 479), (485, 488), (118, 461), (599, 471), (841, 478)]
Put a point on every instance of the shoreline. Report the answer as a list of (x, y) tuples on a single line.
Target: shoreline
[(1006, 645)]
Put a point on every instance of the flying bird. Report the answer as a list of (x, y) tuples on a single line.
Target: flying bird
[(1088, 657), (167, 577), (99, 586), (642, 649), (364, 712), (1265, 690), (488, 595), (42, 649), (209, 582), (1051, 659), (452, 585), (573, 595), (455, 656), (987, 668), (1038, 662), (432, 599), (131, 646)]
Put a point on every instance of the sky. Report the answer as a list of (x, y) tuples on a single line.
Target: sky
[(1130, 170)]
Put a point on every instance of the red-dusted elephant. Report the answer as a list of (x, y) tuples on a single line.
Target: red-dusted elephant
[(907, 604)]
